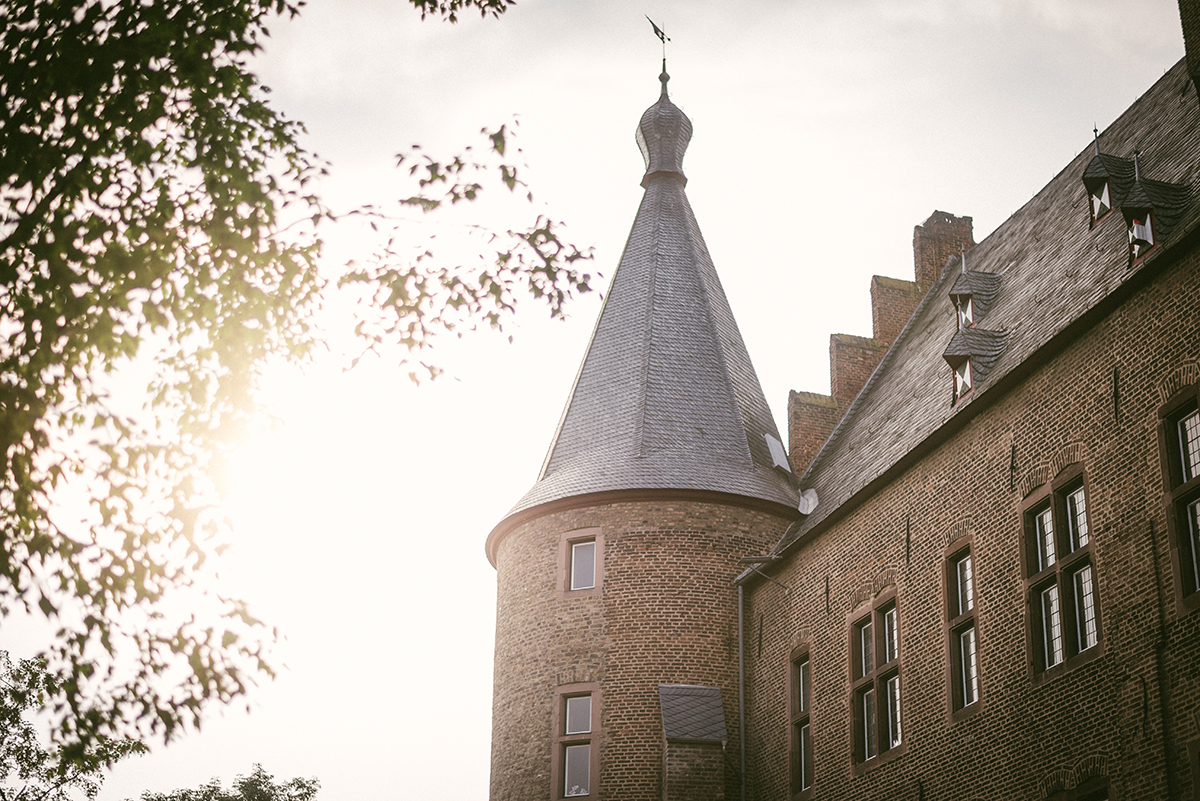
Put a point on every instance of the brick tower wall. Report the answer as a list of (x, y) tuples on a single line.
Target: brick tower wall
[(934, 241), (666, 614)]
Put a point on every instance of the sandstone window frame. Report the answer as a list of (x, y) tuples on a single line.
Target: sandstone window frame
[(1181, 496), (875, 684), (959, 616), (800, 698), (562, 740), (566, 554), (1060, 605)]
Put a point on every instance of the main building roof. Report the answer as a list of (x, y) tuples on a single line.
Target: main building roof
[(666, 397)]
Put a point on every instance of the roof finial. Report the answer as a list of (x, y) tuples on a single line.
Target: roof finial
[(1096, 134), (1137, 174), (662, 37)]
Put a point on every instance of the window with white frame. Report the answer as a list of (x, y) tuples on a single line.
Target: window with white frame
[(962, 631), (575, 769), (581, 562), (876, 686), (1181, 460), (1064, 607), (800, 724)]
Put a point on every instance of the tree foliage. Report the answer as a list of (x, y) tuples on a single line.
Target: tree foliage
[(29, 770), (258, 786), (156, 211)]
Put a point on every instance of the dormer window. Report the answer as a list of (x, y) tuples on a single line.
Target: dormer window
[(1141, 233), (965, 305), (962, 379), (1101, 198)]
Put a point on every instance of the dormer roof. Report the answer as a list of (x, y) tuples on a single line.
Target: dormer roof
[(666, 397)]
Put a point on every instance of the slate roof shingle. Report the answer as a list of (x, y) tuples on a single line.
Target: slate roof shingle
[(691, 712)]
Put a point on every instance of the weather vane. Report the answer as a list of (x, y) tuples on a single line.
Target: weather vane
[(662, 37)]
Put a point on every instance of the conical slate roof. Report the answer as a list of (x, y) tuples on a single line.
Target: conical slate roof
[(666, 397)]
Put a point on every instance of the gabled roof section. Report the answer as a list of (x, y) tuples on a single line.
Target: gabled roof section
[(982, 347), (666, 397), (982, 287), (1055, 267)]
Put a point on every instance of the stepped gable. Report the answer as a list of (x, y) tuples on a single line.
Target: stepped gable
[(1054, 267), (666, 397)]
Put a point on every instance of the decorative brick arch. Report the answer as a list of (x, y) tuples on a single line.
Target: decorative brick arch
[(1069, 454), (1060, 779), (800, 639), (867, 591), (1182, 376), (962, 529)]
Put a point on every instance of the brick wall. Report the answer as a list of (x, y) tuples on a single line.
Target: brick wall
[(667, 614), (934, 241), (1127, 716), (851, 361), (892, 303), (811, 418), (694, 772)]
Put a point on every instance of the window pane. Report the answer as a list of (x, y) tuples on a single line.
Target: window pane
[(1051, 627), (583, 565), (893, 711), (966, 589), (870, 726), (1044, 529), (577, 770), (802, 680), (805, 758), (1189, 444), (1085, 609), (967, 669), (1191, 560), (579, 715), (1077, 519), (866, 649), (890, 645)]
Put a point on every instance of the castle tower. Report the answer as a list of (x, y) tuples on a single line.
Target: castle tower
[(616, 670)]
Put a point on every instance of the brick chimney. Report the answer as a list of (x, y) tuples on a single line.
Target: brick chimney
[(934, 241), (892, 303), (851, 360), (811, 418), (1189, 15)]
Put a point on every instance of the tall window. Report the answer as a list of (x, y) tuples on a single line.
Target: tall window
[(962, 631), (875, 674), (1181, 441), (575, 746), (581, 562), (799, 717), (1064, 607)]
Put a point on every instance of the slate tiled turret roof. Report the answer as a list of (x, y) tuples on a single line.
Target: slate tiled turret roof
[(666, 397), (692, 713), (1055, 267)]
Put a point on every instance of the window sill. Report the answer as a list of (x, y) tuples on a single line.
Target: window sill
[(966, 713), (1068, 666), (862, 768)]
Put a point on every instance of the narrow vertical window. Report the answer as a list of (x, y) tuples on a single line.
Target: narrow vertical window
[(870, 727), (1051, 627), (574, 768), (583, 565), (1085, 609), (962, 378), (963, 671), (1189, 444), (1180, 442), (1064, 606), (1191, 556), (875, 690), (967, 668), (800, 679)]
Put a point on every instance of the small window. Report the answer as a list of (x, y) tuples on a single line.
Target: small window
[(1181, 480), (1064, 609), (800, 731), (1101, 200), (961, 632), (965, 307), (575, 768), (1141, 234), (581, 563), (876, 689), (962, 378)]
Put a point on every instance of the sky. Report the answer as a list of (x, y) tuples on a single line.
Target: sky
[(823, 132)]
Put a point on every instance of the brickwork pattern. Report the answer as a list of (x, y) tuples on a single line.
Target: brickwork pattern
[(851, 361), (667, 614), (811, 418), (934, 241), (1126, 717), (892, 303), (694, 772)]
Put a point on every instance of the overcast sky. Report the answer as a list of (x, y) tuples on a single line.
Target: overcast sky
[(823, 133)]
